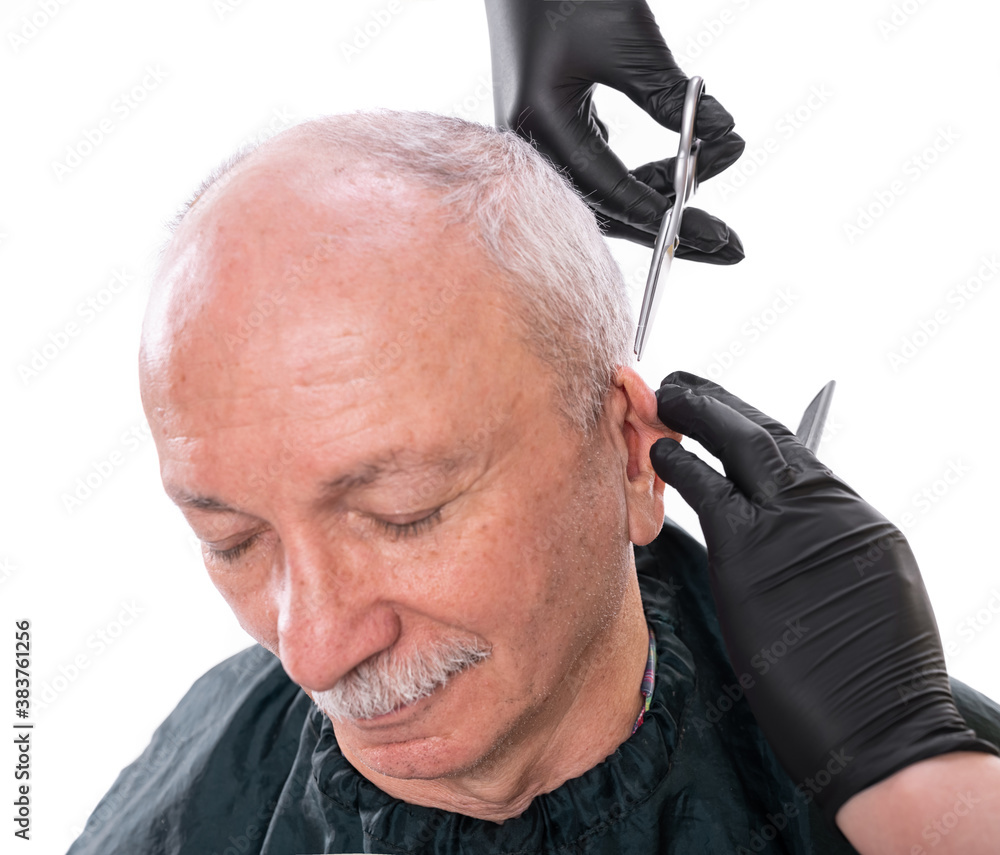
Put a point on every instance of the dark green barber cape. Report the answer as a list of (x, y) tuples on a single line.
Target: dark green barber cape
[(246, 763)]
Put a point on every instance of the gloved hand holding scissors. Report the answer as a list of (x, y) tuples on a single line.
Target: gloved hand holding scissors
[(821, 588), (547, 59)]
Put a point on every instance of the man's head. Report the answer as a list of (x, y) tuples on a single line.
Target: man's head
[(384, 367)]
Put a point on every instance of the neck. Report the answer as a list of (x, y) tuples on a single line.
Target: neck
[(591, 714)]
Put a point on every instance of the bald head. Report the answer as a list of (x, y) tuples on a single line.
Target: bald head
[(361, 182), (300, 257)]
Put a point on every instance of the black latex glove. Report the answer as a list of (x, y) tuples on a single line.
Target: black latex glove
[(547, 59), (819, 598)]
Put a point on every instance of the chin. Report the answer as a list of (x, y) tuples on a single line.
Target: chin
[(435, 737), (423, 758)]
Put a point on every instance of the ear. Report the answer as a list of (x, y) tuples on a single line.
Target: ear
[(633, 413)]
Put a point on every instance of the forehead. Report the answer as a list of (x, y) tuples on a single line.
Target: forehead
[(371, 313)]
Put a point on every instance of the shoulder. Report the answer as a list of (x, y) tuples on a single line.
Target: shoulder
[(227, 745)]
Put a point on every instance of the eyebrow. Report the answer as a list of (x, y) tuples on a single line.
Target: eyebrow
[(394, 463), (202, 503)]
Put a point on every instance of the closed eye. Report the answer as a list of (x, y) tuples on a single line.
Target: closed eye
[(410, 529), (233, 553), (395, 530)]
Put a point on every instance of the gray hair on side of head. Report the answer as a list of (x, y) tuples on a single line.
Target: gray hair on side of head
[(567, 291)]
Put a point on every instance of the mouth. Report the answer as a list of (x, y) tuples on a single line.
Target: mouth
[(395, 715), (404, 712)]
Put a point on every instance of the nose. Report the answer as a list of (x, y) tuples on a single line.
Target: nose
[(333, 613)]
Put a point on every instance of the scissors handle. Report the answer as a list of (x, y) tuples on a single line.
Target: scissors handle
[(668, 236)]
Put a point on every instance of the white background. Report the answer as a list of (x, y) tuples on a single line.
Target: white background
[(233, 71)]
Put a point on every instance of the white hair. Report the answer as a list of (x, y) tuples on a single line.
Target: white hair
[(388, 681), (568, 292)]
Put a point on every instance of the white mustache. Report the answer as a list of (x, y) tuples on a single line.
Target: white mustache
[(385, 681)]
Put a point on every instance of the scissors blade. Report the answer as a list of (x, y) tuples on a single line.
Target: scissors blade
[(663, 255), (667, 238), (810, 430)]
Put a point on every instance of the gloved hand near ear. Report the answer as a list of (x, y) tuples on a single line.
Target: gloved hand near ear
[(819, 597), (547, 60)]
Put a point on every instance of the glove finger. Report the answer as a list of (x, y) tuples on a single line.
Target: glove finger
[(658, 174), (712, 121), (791, 448), (728, 252), (699, 484), (713, 158), (663, 99), (731, 253), (749, 454), (707, 238), (701, 234), (612, 228), (701, 386), (718, 155)]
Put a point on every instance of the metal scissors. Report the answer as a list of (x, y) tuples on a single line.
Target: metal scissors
[(814, 418), (668, 236)]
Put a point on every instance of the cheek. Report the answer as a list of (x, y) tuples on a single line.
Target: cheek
[(252, 600), (513, 571)]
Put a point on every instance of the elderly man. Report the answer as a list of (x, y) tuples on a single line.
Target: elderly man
[(385, 363)]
